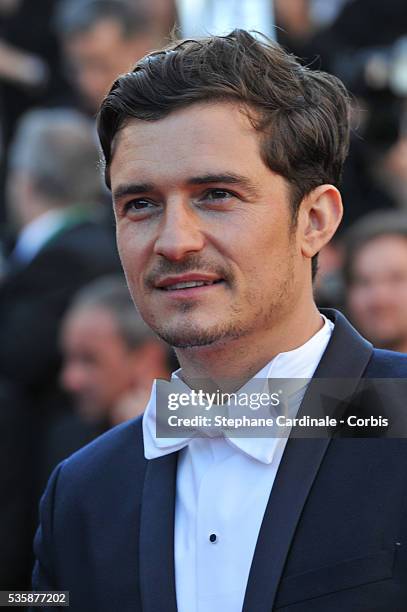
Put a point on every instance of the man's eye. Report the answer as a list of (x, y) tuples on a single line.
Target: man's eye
[(134, 205), (217, 195)]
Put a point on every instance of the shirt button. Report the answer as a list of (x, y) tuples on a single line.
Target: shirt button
[(213, 538)]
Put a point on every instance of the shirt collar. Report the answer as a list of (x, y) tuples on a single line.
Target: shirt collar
[(36, 233), (299, 363)]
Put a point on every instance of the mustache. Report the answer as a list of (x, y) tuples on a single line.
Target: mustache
[(192, 263)]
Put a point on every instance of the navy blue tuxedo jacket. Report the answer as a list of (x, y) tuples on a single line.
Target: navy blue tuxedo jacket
[(333, 538)]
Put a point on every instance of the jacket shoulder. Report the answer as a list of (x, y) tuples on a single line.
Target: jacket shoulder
[(86, 243), (86, 507), (107, 459)]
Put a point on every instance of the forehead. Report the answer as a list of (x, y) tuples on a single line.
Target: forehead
[(89, 324), (389, 250), (200, 138), (99, 37)]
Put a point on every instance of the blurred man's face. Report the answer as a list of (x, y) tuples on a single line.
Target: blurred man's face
[(204, 227), (98, 367), (377, 298), (162, 14), (99, 55)]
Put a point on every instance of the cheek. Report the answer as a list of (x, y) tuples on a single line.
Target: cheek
[(123, 244), (131, 256), (124, 258), (400, 294), (358, 300), (111, 372)]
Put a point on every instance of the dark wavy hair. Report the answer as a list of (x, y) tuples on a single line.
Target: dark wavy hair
[(302, 115)]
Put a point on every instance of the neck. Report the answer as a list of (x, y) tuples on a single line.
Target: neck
[(240, 359)]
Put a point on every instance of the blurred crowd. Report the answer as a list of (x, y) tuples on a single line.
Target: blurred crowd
[(75, 356)]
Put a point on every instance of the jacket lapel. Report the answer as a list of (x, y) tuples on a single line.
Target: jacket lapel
[(157, 573), (346, 357)]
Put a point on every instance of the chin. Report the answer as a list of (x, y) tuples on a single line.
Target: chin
[(190, 336), (390, 342), (185, 340)]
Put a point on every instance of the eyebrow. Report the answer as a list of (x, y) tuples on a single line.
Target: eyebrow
[(205, 179), (131, 189), (226, 178)]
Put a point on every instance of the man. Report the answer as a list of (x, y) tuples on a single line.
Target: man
[(101, 39), (223, 157), (376, 278), (53, 193), (111, 357)]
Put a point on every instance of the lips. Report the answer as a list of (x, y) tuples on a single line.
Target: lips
[(187, 281), (188, 285)]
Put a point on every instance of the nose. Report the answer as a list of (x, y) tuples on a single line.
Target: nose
[(72, 377), (180, 232)]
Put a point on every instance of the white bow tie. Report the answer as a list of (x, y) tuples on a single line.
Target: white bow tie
[(261, 449)]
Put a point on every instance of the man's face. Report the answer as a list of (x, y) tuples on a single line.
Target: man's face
[(97, 366), (377, 297), (99, 55), (204, 227)]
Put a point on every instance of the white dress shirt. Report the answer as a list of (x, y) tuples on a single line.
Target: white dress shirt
[(223, 486), (36, 234)]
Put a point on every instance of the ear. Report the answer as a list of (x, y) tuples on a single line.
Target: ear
[(318, 219)]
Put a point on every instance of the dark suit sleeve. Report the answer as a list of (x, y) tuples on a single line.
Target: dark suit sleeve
[(33, 303), (29, 334), (44, 573), (15, 487)]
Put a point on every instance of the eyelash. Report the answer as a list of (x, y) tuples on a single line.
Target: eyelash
[(131, 203), (226, 191)]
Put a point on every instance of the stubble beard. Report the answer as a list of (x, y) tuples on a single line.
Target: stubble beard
[(189, 335), (193, 336), (236, 324)]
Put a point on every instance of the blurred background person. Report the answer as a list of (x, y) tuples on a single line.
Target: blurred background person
[(375, 273), (163, 14), (54, 188), (110, 359), (16, 488), (110, 354), (102, 39), (365, 45), (31, 71), (296, 24)]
